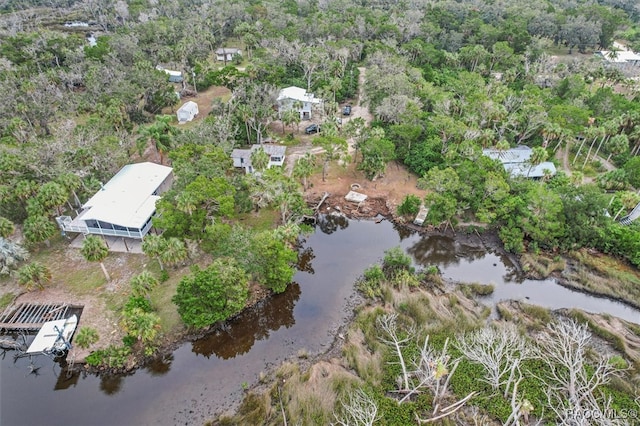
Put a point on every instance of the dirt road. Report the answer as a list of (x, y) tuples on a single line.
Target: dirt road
[(357, 111)]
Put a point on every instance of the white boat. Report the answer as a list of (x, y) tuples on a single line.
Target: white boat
[(54, 336)]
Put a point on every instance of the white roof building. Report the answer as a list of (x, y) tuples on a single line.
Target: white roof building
[(125, 205), (297, 99), (516, 161), (187, 112), (297, 94)]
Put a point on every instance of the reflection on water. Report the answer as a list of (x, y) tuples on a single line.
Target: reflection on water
[(403, 231), (205, 374), (111, 384), (67, 378), (330, 223), (305, 260), (443, 251), (160, 366), (239, 335)]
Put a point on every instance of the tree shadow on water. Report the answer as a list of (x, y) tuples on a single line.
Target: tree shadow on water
[(237, 336)]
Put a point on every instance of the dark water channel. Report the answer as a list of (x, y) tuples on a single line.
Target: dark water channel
[(202, 377)]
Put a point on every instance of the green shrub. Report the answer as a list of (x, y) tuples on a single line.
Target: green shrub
[(86, 337), (410, 206), (112, 357), (395, 259), (371, 282)]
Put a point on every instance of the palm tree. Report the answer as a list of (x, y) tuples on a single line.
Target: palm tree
[(589, 133), (39, 228), (34, 275), (174, 251), (611, 128), (576, 178), (303, 168), (153, 246), (245, 115), (160, 133), (6, 227), (143, 283), (71, 182), (187, 202), (502, 146), (94, 249), (289, 118), (86, 337), (259, 159), (52, 195), (550, 132), (538, 155), (617, 145), (10, 255)]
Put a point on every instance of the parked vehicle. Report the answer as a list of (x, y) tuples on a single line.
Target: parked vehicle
[(346, 110), (314, 128)]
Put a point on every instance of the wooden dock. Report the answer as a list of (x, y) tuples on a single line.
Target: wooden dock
[(30, 317)]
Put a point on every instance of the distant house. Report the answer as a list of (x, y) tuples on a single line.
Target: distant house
[(187, 112), (242, 157), (516, 161), (298, 99), (227, 53), (125, 205), (621, 58), (174, 76)]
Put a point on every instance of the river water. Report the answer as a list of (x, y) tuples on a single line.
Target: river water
[(206, 376)]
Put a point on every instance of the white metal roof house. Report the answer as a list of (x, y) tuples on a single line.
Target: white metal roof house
[(242, 157), (297, 98), (227, 53), (187, 112), (125, 205), (174, 76), (516, 162)]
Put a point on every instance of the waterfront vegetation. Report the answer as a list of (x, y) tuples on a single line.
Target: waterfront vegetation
[(444, 80), (413, 350)]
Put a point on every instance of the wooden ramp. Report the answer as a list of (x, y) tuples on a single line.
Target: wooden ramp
[(31, 317)]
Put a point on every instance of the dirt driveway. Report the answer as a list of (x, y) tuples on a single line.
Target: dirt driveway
[(357, 111)]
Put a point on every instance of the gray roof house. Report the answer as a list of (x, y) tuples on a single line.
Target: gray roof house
[(516, 162), (227, 53), (242, 157), (125, 205)]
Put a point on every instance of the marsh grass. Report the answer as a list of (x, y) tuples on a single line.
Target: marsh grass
[(607, 276), (477, 289), (542, 266)]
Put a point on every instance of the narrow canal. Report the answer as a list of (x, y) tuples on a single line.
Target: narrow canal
[(203, 377)]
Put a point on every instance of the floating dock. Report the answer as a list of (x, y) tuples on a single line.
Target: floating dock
[(54, 336)]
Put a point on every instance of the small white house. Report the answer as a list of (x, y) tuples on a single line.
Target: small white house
[(227, 53), (242, 157), (174, 76), (187, 112), (298, 99)]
